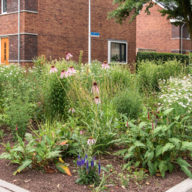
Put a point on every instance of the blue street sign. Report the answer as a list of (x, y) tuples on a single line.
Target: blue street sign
[(95, 34)]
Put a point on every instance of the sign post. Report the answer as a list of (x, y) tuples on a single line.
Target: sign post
[(89, 35)]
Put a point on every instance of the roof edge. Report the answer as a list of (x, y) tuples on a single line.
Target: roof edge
[(160, 5)]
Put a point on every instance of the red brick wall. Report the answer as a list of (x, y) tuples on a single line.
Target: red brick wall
[(62, 26), (155, 32)]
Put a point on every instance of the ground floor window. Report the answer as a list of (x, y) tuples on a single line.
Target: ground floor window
[(117, 51)]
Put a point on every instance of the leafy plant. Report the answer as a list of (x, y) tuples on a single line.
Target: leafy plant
[(158, 146), (88, 171), (35, 151)]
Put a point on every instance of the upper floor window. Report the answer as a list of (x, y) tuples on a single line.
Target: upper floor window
[(3, 6)]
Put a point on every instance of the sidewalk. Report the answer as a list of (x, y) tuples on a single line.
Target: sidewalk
[(8, 187)]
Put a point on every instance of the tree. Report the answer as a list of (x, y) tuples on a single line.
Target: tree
[(180, 10)]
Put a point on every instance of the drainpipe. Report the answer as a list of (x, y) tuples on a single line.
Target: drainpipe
[(19, 25), (182, 37)]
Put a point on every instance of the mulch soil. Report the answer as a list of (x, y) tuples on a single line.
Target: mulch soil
[(40, 181)]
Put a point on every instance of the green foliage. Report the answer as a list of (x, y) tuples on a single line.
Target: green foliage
[(162, 57), (149, 74), (70, 119), (128, 103), (56, 97), (18, 98), (32, 152), (158, 145)]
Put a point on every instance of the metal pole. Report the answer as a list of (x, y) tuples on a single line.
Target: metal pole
[(19, 2), (182, 37), (89, 34)]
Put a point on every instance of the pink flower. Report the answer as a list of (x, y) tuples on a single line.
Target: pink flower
[(53, 69), (91, 141), (62, 74), (95, 89), (16, 128), (97, 100), (68, 56), (65, 74), (72, 110), (105, 65), (71, 70), (81, 132)]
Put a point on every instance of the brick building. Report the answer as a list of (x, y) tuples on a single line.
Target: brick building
[(156, 33), (54, 27)]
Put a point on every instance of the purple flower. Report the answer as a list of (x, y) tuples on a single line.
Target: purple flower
[(79, 162), (82, 161), (99, 166), (92, 163), (87, 165)]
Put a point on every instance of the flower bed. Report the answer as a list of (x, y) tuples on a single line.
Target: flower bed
[(59, 110)]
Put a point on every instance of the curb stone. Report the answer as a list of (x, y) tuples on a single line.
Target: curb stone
[(185, 186), (8, 187)]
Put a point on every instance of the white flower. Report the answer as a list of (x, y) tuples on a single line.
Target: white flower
[(91, 141)]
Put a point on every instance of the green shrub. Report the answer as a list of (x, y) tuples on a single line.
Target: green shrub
[(163, 57), (19, 98), (129, 103), (171, 68), (148, 76), (56, 102)]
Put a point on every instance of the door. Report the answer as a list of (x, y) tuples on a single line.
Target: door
[(5, 51)]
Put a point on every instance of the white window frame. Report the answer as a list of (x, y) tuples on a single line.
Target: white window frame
[(109, 50), (2, 12)]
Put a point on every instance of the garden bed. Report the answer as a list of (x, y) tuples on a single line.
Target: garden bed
[(40, 181), (100, 126)]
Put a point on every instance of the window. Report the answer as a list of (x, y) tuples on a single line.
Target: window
[(117, 51), (3, 6)]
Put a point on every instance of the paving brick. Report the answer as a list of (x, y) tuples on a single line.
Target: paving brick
[(185, 186), (8, 187)]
